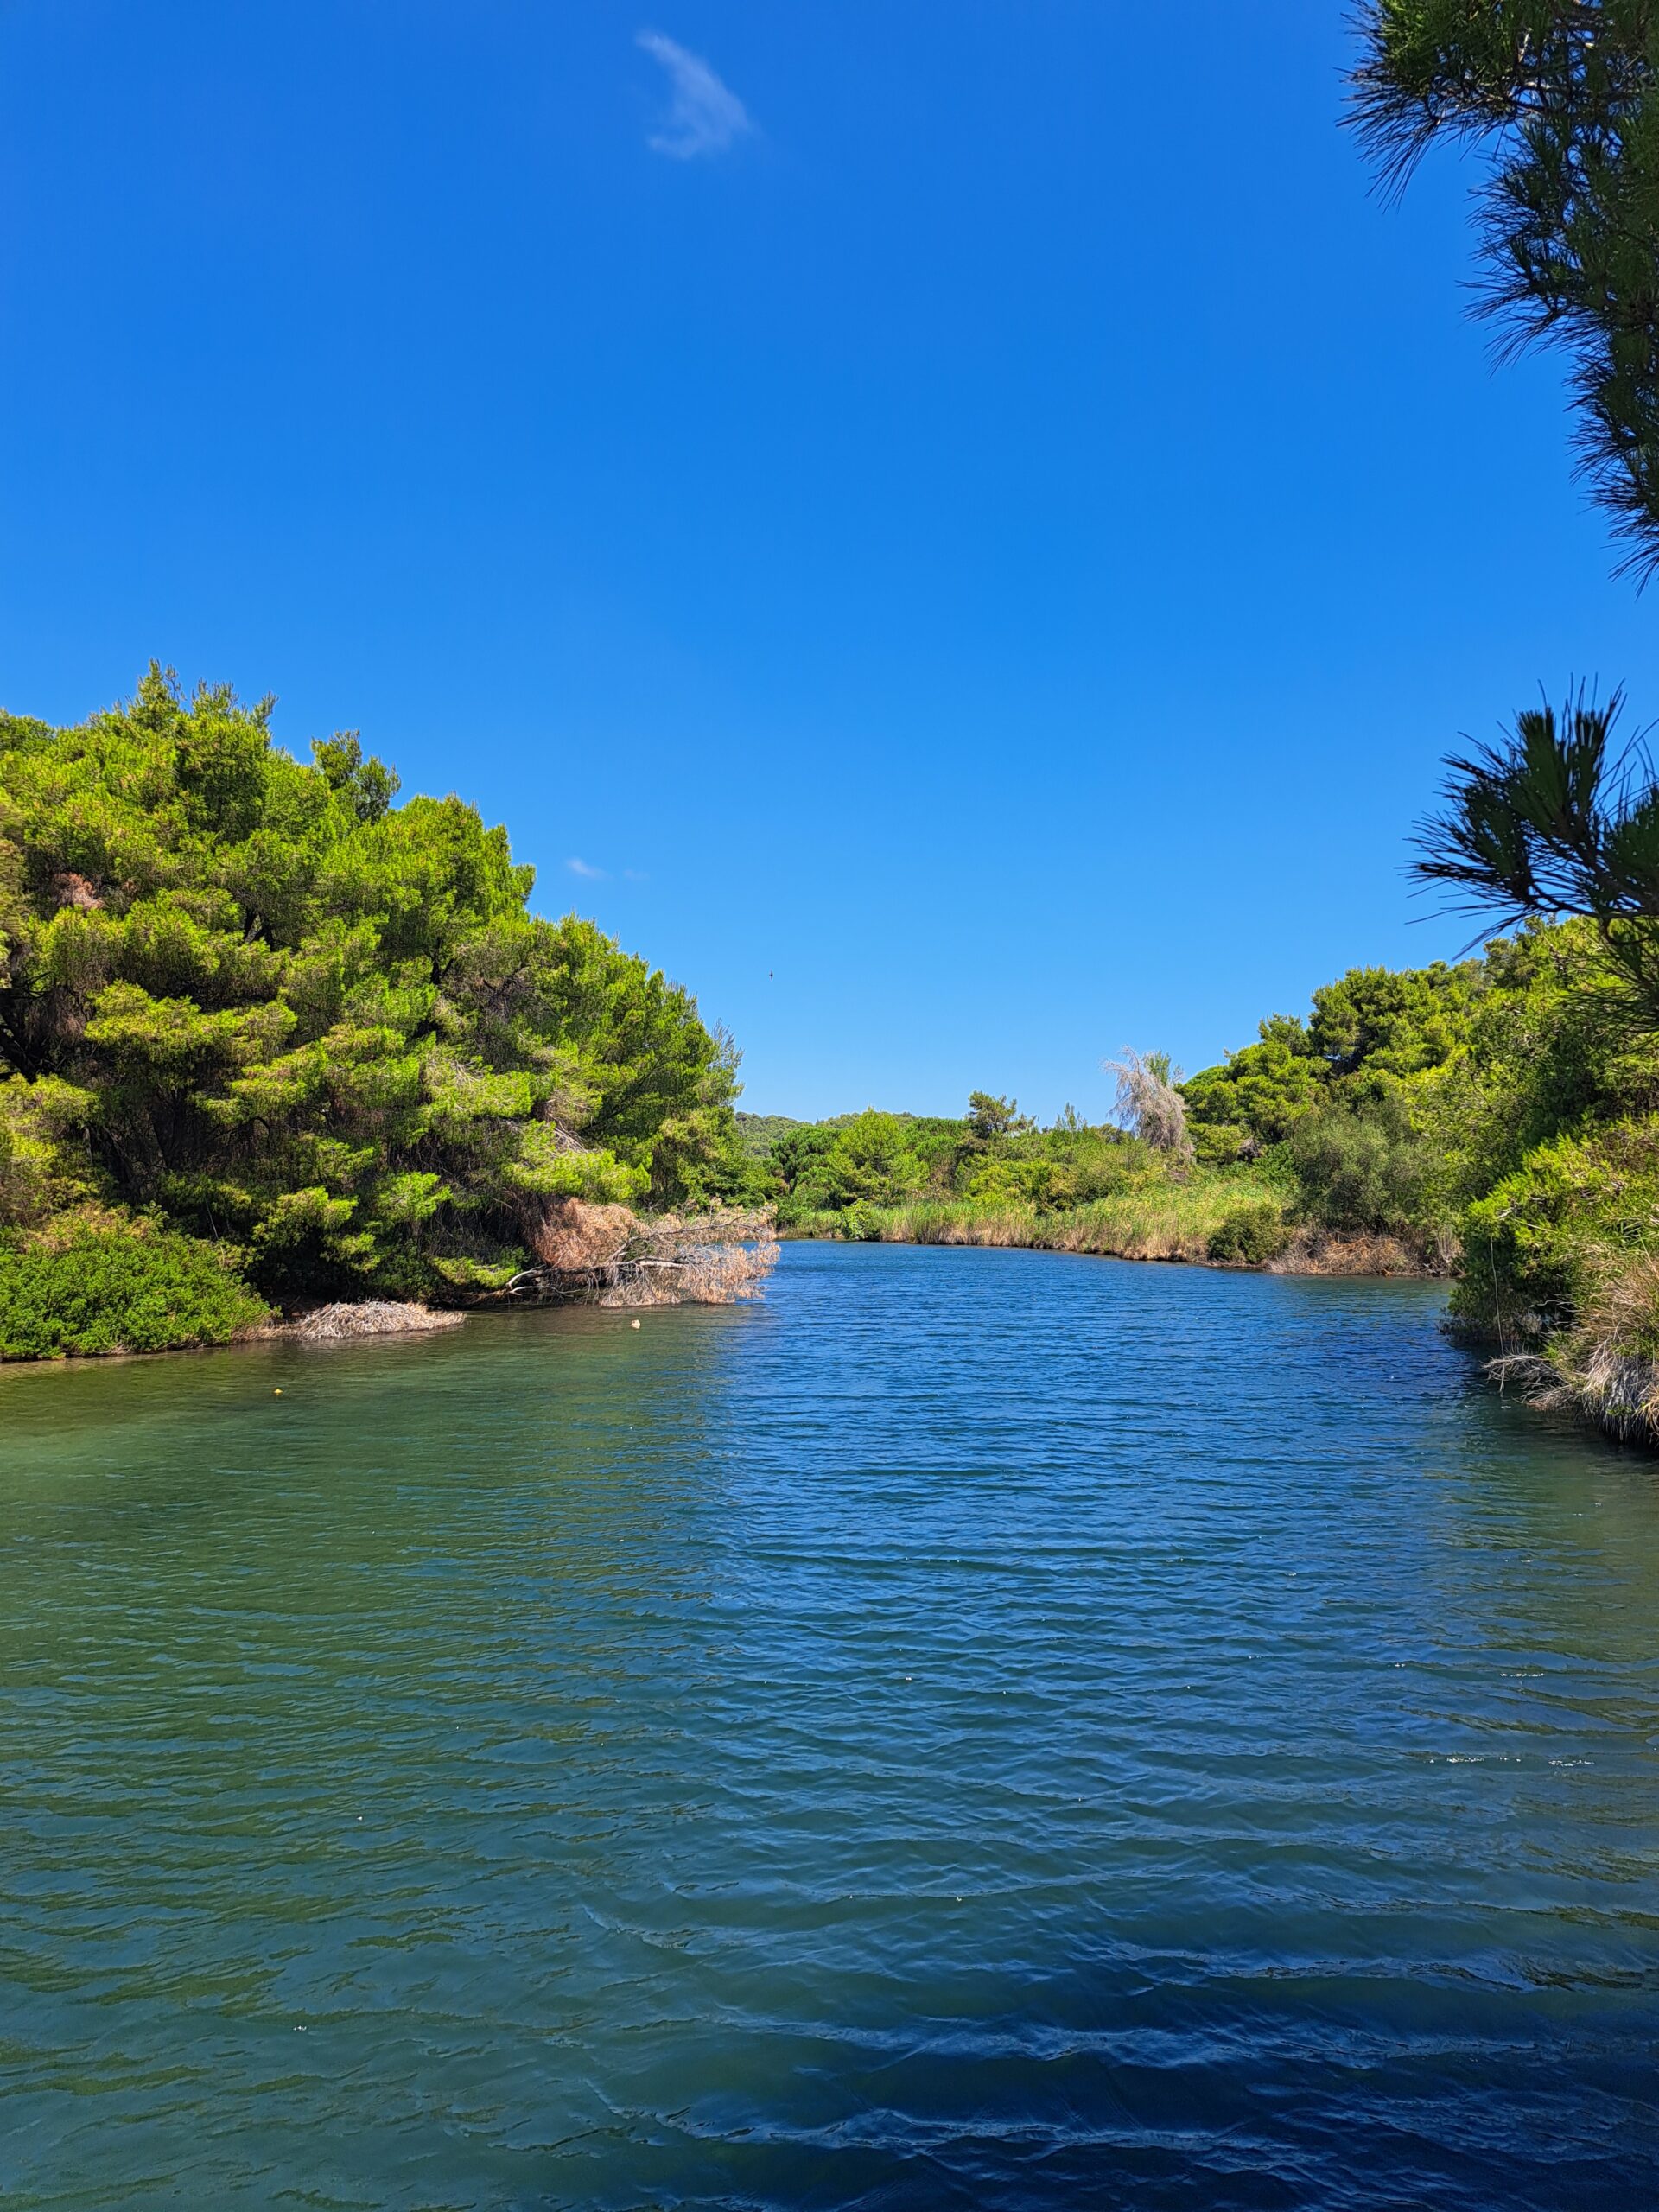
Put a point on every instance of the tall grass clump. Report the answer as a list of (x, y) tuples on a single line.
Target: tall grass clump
[(1155, 1219)]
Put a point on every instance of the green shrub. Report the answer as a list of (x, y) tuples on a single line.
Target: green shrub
[(867, 1159), (1575, 1209), (1218, 1144), (1359, 1166), (1044, 1183), (1249, 1237), (860, 1223), (128, 1287)]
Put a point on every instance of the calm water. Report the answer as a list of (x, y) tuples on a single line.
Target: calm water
[(986, 1729)]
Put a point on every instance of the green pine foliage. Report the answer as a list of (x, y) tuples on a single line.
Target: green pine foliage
[(1562, 103), (259, 1001), (1371, 1026), (758, 1133)]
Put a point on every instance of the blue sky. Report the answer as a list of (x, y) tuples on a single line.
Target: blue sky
[(970, 521)]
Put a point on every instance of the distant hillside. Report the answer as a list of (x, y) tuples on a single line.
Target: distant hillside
[(758, 1133)]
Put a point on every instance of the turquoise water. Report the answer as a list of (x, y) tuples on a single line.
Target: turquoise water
[(985, 1729)]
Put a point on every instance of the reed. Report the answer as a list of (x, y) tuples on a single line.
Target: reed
[(1605, 1366), (1166, 1220)]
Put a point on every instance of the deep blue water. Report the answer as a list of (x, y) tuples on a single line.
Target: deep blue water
[(984, 1729)]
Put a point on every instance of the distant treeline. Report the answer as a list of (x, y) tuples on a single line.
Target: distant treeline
[(1497, 1118)]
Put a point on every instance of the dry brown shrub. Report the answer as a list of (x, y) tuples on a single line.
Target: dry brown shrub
[(1148, 1102), (1371, 1252), (706, 1275), (372, 1316), (574, 1235), (71, 890)]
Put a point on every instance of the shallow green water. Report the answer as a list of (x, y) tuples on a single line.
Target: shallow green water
[(986, 1729)]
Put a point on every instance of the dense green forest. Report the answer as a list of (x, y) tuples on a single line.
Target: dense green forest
[(267, 1033)]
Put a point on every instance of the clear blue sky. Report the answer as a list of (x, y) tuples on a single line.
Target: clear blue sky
[(983, 532)]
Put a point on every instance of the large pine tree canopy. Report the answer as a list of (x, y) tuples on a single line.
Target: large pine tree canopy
[(255, 1000)]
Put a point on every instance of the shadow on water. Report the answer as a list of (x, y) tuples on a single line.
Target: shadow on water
[(986, 1728)]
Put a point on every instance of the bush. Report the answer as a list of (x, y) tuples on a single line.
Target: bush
[(1576, 1210), (1040, 1182), (868, 1159), (1359, 1166), (1218, 1144), (860, 1223), (128, 1287), (1249, 1237)]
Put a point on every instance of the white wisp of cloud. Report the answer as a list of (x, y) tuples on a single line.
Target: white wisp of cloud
[(704, 116)]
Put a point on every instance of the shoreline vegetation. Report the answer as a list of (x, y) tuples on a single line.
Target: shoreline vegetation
[(1495, 1121), (1177, 1227), (270, 1041), (272, 1045)]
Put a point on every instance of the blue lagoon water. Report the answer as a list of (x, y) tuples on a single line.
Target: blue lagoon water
[(982, 1729)]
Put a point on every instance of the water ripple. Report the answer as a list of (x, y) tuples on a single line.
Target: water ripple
[(985, 1729)]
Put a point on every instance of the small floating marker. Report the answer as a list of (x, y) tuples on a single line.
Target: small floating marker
[(276, 1393), (633, 1325)]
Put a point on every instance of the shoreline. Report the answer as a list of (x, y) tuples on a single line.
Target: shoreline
[(295, 1329), (1618, 1400), (1308, 1253), (347, 1321), (382, 1320)]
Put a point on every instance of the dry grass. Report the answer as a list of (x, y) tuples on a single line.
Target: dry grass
[(1323, 1252), (1606, 1365)]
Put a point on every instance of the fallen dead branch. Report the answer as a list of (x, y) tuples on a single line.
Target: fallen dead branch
[(373, 1317), (607, 1256)]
